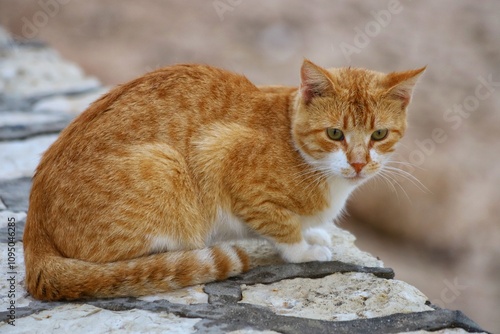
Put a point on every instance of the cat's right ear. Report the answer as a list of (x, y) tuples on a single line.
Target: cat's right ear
[(314, 81)]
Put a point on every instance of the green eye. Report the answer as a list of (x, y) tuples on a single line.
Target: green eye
[(380, 134), (335, 134)]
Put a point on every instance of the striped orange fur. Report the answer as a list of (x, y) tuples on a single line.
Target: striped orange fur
[(135, 194)]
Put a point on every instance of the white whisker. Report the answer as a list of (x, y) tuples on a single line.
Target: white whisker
[(391, 179), (404, 174)]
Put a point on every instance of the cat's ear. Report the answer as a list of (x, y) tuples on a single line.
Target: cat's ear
[(314, 81), (400, 85)]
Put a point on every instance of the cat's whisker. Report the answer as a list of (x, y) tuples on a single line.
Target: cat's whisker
[(406, 164), (315, 182), (404, 174), (388, 181), (389, 177), (306, 176)]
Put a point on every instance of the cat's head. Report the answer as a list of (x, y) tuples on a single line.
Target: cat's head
[(347, 120)]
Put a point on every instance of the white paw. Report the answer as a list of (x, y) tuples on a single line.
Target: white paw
[(320, 253), (303, 252), (318, 236)]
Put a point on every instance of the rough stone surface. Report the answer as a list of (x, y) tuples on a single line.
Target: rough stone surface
[(356, 294), (75, 318), (29, 73), (342, 296)]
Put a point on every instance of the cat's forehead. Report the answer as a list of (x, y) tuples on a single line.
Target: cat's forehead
[(356, 82)]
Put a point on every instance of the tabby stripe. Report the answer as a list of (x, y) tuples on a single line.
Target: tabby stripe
[(221, 262)]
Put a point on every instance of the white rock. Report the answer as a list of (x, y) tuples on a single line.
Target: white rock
[(84, 319), (21, 298), (72, 105), (186, 296), (21, 157), (337, 297), (16, 118), (31, 73), (5, 215), (345, 250)]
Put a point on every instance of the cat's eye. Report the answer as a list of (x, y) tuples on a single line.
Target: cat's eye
[(335, 134), (380, 134)]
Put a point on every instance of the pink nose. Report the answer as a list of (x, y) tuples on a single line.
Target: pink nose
[(358, 166)]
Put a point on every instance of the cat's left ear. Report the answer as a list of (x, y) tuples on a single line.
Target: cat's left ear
[(400, 85), (315, 81)]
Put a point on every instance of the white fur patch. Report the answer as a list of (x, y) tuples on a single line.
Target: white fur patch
[(228, 227), (340, 189), (303, 252), (160, 244), (318, 236)]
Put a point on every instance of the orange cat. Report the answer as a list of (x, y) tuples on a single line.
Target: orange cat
[(134, 195)]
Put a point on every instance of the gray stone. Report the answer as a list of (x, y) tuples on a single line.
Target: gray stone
[(22, 125), (19, 158), (29, 73), (15, 193), (230, 317), (71, 105), (18, 218)]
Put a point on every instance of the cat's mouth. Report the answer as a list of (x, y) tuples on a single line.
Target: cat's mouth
[(356, 178)]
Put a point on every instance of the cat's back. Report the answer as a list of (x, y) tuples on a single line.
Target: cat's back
[(176, 89), (163, 105)]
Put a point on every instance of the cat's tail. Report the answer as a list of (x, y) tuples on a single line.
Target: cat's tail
[(49, 276)]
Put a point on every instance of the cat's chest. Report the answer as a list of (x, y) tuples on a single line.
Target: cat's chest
[(338, 193), (228, 226)]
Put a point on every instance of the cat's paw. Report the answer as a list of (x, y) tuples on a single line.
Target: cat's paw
[(304, 252), (318, 236), (320, 253)]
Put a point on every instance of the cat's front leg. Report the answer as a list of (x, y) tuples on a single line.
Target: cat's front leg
[(284, 230), (318, 236), (303, 252)]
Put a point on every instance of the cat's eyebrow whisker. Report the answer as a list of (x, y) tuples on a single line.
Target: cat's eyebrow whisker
[(404, 174)]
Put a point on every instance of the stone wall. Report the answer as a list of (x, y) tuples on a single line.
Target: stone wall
[(40, 93)]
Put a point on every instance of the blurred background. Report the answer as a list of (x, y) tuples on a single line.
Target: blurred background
[(440, 233)]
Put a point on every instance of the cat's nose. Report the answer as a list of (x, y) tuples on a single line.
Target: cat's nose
[(358, 166)]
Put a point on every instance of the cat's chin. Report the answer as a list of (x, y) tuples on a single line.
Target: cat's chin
[(356, 179)]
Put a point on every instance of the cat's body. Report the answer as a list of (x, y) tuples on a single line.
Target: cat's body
[(130, 196)]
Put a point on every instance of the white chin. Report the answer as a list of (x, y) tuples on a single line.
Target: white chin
[(357, 178)]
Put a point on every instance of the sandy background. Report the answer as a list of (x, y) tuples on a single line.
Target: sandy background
[(442, 236)]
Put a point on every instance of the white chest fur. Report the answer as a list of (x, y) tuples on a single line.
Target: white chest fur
[(229, 227), (340, 189)]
